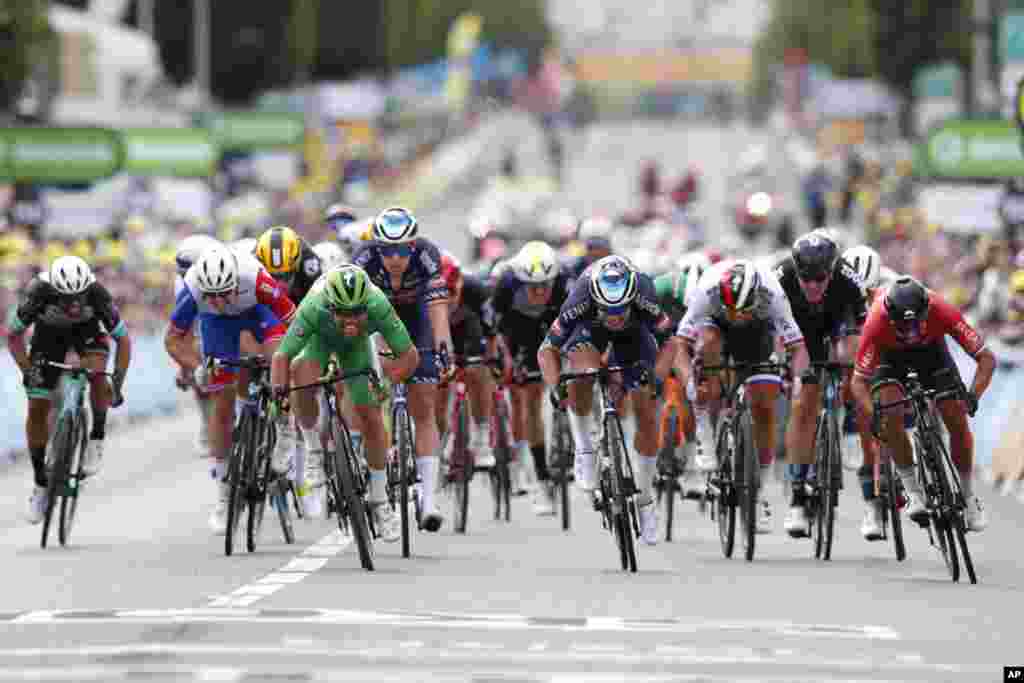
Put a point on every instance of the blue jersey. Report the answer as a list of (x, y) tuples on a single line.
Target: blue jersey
[(510, 301), (575, 266), (421, 282), (580, 309)]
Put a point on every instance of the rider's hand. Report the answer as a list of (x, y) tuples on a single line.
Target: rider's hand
[(559, 396), (183, 380), (201, 376)]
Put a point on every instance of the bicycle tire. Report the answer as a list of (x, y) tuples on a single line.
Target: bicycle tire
[(463, 469), (833, 461), (259, 474), (347, 486), (952, 510), (670, 483), (236, 464), (501, 485), (406, 477), (960, 529), (892, 510), (69, 502), (55, 478), (283, 506), (725, 501), (616, 449), (747, 492), (563, 454), (819, 494)]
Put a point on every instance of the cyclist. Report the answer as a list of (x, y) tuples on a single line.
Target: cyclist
[(737, 311), (595, 234), (69, 310), (472, 329), (289, 259), (904, 332), (188, 252), (227, 293), (868, 265), (527, 299), (407, 268), (827, 299), (336, 319), (612, 307), (345, 224)]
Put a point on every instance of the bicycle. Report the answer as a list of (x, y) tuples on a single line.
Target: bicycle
[(461, 467), (617, 498), (67, 449), (889, 493), (501, 444), (250, 477), (346, 478), (944, 496), (736, 483), (674, 427), (401, 464), (560, 461), (823, 498)]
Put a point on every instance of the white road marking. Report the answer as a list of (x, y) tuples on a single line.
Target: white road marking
[(310, 560)]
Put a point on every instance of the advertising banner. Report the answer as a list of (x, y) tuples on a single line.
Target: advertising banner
[(169, 152), (59, 155), (252, 130), (964, 148)]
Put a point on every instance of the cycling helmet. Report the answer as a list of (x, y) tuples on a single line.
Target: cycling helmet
[(906, 301), (451, 271), (692, 275), (613, 282), (279, 249), (216, 270), (71, 275), (690, 258), (346, 288), (815, 255), (395, 226), (867, 263), (330, 254), (596, 232), (190, 249), (537, 263), (738, 286), (339, 213)]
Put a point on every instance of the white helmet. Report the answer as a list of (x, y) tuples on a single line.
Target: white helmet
[(190, 249), (536, 263), (867, 263), (216, 270), (692, 273), (331, 254), (690, 258), (595, 227), (71, 275)]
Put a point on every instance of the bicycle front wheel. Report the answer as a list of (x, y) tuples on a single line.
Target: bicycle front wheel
[(620, 505), (257, 478), (69, 502), (237, 465), (56, 477), (891, 486), (725, 500), (832, 476), (349, 493), (463, 468), (746, 479), (406, 474), (501, 484)]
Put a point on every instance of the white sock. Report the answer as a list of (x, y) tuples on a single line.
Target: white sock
[(581, 425), (704, 429), (311, 437), (628, 431), (378, 486), (426, 467), (299, 458), (218, 469), (645, 468)]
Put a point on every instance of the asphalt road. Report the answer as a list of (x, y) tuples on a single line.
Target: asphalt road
[(144, 591)]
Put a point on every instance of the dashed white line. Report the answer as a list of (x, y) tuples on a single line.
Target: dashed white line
[(312, 559)]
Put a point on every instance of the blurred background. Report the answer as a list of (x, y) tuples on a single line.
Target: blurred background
[(725, 124)]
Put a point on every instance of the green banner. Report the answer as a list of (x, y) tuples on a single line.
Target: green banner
[(963, 148), (170, 152), (59, 155), (251, 130)]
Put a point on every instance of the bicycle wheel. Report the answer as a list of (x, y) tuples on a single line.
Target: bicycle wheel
[(69, 503), (258, 476), (725, 501), (406, 474), (501, 484), (350, 493), (620, 502), (746, 470), (236, 467), (60, 453), (280, 502), (953, 508), (960, 531), (891, 499), (561, 451), (669, 480), (833, 470), (463, 468)]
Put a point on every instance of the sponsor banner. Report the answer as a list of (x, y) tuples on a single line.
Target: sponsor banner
[(169, 152), (253, 130), (59, 155)]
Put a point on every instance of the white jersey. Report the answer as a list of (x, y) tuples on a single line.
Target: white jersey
[(704, 306), (250, 276)]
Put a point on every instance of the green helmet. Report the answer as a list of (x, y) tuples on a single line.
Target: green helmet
[(347, 288)]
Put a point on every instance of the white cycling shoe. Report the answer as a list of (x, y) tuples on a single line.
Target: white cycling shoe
[(37, 505)]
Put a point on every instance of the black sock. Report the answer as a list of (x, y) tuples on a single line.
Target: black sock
[(99, 425), (540, 463), (38, 456)]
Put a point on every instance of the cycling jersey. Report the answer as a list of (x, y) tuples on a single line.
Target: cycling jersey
[(470, 318), (841, 312), (315, 334), (308, 270), (670, 288), (524, 325), (879, 339), (81, 322), (420, 284), (771, 310)]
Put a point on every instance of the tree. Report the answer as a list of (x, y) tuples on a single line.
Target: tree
[(25, 35)]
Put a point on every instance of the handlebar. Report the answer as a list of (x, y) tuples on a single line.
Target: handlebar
[(602, 374), (756, 367), (245, 362), (79, 370), (333, 376)]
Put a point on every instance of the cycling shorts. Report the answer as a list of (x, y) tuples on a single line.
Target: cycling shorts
[(635, 345), (220, 337), (417, 322), (53, 343)]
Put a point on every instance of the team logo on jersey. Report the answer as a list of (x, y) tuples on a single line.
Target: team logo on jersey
[(311, 266)]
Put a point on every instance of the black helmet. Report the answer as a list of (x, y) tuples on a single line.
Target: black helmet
[(906, 301), (815, 255)]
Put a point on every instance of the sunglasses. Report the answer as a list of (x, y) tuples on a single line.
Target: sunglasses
[(349, 312), (214, 296), (392, 250), (340, 222), (814, 277)]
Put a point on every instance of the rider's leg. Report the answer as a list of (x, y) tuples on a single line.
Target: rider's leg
[(422, 398), (480, 388), (370, 420), (710, 346), (581, 398)]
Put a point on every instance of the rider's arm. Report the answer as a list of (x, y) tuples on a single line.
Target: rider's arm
[(108, 314), (22, 318), (271, 294), (970, 340), (177, 340), (868, 355), (435, 294)]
